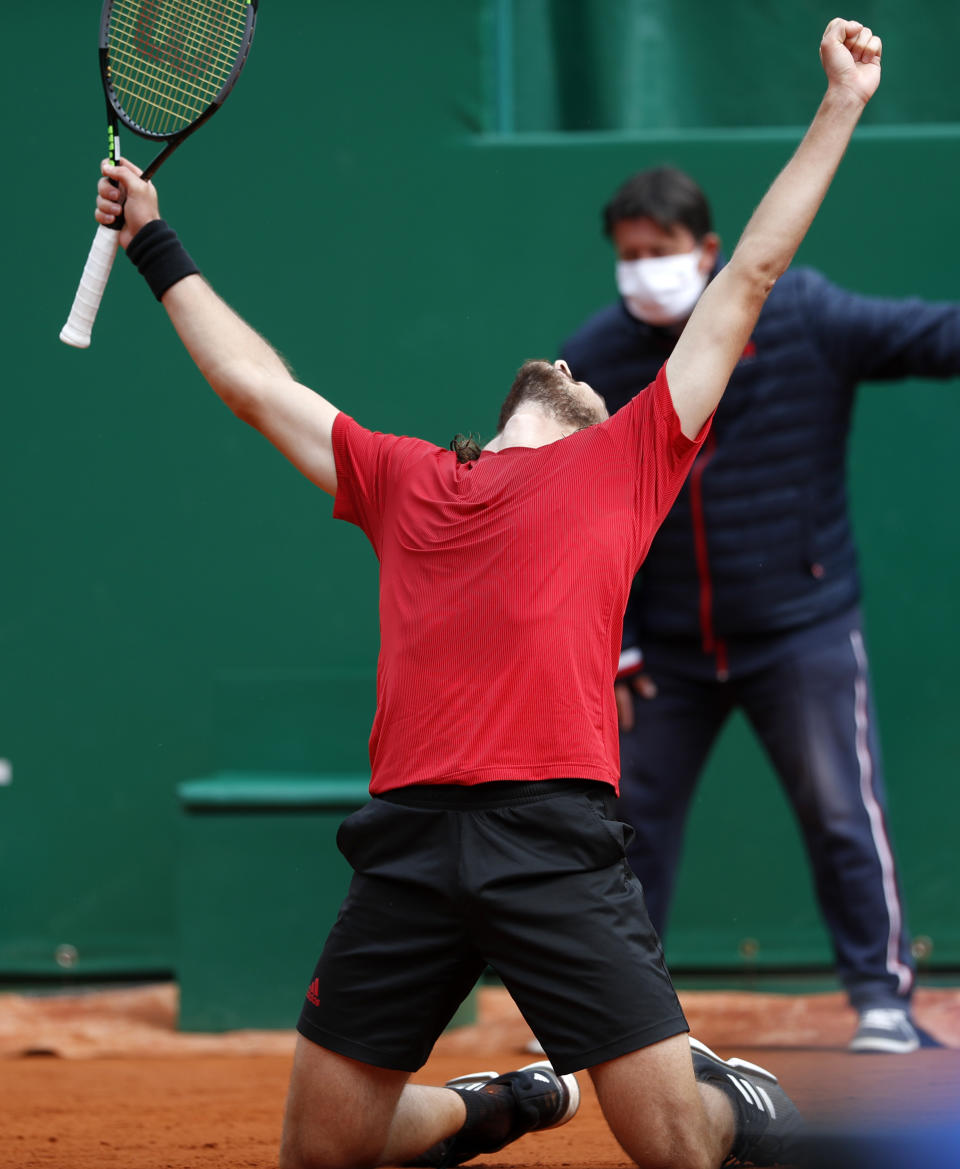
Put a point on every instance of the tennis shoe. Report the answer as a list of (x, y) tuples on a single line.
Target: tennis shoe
[(768, 1126), (887, 1029), (503, 1109)]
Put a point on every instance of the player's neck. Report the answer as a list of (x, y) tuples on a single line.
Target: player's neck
[(529, 428)]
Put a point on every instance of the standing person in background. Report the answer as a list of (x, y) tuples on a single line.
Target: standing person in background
[(749, 597), (489, 838)]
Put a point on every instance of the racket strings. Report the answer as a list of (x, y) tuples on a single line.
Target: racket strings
[(168, 60)]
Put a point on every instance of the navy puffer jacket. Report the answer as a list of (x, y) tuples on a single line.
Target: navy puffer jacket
[(759, 540)]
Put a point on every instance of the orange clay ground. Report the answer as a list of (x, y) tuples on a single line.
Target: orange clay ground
[(103, 1079)]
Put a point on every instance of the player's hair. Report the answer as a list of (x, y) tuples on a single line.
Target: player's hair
[(665, 195), (466, 447)]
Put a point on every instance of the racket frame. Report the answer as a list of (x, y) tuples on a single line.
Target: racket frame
[(116, 113), (79, 326)]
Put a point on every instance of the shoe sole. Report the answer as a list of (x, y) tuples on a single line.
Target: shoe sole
[(740, 1065), (569, 1081), (478, 1078), (884, 1046)]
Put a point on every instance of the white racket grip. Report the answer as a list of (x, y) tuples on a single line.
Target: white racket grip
[(96, 271)]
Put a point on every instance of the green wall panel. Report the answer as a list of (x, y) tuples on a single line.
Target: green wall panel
[(259, 884), (174, 599), (686, 64)]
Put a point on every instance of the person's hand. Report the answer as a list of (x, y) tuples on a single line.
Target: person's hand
[(641, 685), (850, 54), (123, 190)]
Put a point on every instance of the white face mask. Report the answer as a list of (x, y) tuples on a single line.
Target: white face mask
[(663, 290)]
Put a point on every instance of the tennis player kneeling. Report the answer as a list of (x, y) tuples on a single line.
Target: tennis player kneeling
[(490, 838)]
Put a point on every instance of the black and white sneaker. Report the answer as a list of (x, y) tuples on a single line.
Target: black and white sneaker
[(768, 1125), (500, 1109), (886, 1029)]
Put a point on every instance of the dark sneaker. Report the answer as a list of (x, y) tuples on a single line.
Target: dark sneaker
[(768, 1123), (504, 1108), (886, 1029)]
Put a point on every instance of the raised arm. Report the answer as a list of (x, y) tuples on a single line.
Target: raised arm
[(243, 370), (720, 326)]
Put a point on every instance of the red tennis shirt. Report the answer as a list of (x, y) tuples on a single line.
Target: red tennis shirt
[(503, 584)]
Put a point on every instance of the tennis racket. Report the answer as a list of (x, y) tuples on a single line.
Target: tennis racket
[(166, 66)]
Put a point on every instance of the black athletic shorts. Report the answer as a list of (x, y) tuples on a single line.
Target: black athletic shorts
[(528, 878)]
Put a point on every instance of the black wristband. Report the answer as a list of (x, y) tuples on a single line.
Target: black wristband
[(160, 256)]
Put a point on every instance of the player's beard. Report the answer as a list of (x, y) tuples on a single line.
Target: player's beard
[(542, 384)]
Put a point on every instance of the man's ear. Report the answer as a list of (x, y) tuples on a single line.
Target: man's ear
[(709, 247)]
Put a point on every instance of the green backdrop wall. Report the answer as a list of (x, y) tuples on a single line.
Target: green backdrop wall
[(404, 199)]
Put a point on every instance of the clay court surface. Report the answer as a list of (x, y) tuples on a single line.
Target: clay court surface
[(103, 1079)]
